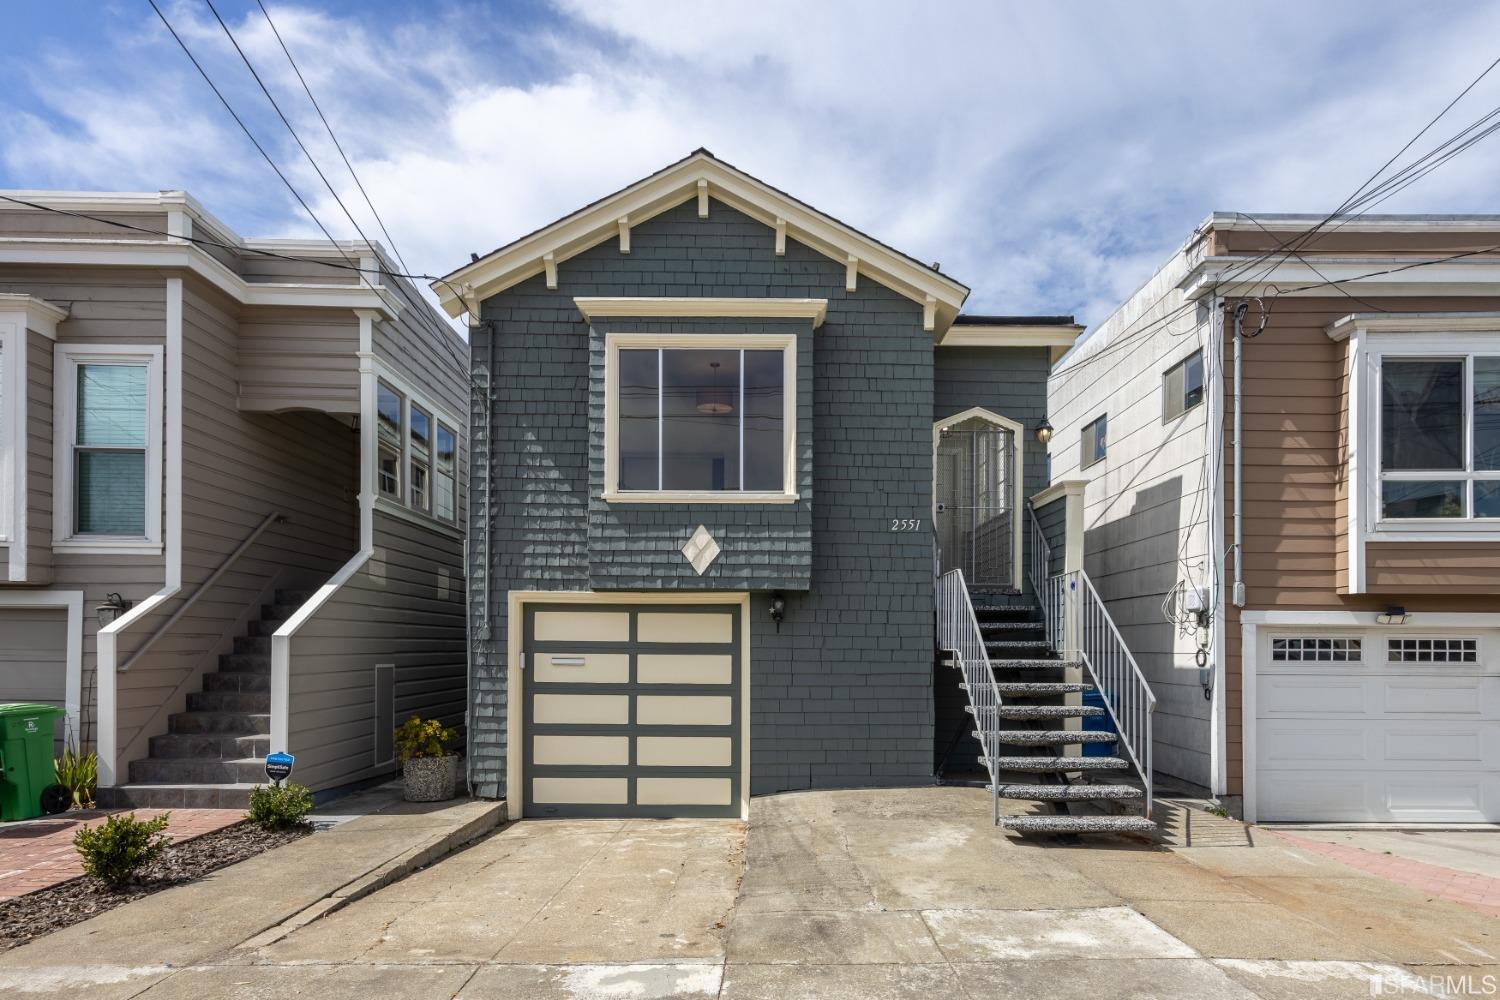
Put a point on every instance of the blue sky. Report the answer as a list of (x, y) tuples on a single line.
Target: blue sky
[(1049, 155)]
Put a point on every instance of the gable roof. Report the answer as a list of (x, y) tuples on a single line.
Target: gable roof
[(698, 174)]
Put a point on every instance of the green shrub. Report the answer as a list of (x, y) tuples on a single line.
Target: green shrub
[(115, 851), (282, 807), (416, 738), (79, 774)]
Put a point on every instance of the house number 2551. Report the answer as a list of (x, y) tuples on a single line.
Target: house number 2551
[(906, 524)]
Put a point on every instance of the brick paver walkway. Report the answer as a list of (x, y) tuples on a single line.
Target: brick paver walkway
[(37, 853), (1477, 892)]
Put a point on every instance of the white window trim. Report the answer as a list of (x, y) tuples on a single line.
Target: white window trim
[(66, 359), (12, 424), (784, 342), (1365, 524), (427, 518)]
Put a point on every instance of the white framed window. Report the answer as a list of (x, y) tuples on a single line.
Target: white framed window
[(701, 419), (1438, 437), (445, 473), (1316, 649), (390, 436), (107, 493), (1094, 446), (419, 458), (1182, 386)]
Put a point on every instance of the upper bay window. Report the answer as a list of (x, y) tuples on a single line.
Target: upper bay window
[(710, 420), (416, 455), (1440, 437), (389, 408)]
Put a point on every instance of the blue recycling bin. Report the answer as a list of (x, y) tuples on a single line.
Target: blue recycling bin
[(1098, 724)]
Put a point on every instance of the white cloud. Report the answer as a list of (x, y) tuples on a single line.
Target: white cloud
[(1047, 155)]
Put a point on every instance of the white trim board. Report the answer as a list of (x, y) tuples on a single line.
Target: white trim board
[(72, 602), (701, 177), (514, 665), (813, 310)]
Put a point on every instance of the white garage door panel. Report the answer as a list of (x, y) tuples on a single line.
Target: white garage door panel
[(1373, 741)]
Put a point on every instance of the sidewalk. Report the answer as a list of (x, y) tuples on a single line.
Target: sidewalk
[(123, 951), (38, 853)]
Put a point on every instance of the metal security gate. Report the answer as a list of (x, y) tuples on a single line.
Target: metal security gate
[(976, 512), (632, 710)]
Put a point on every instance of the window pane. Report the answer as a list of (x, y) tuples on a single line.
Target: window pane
[(1192, 376), (1487, 498), (419, 486), (1405, 499), (1421, 415), (1172, 392), (447, 448), (112, 406), (443, 490), (638, 420), (111, 493), (388, 411), (1095, 443), (700, 420), (390, 473), (765, 399), (421, 430), (1486, 414)]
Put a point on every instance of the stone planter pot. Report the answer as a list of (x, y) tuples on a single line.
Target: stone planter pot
[(430, 779)]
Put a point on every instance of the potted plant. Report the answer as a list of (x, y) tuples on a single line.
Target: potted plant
[(428, 771)]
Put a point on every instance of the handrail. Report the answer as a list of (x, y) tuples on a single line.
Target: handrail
[(1127, 696), (958, 633), (213, 578)]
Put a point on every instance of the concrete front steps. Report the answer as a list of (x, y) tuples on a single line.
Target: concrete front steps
[(1032, 718), (213, 753)]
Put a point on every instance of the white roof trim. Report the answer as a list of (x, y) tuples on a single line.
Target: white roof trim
[(1435, 276), (1011, 335), (1415, 322), (815, 310), (1415, 223), (675, 185), (40, 315)]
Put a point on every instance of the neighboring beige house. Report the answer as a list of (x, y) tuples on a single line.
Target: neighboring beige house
[(1352, 636), (231, 496)]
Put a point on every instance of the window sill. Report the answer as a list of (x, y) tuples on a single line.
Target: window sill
[(104, 546), (715, 497), (389, 506), (1436, 530)]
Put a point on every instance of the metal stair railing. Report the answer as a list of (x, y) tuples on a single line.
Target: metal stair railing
[(1079, 623), (958, 634), (1111, 666)]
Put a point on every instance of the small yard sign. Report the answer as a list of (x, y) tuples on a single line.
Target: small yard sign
[(279, 766)]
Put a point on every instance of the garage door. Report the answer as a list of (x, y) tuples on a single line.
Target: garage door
[(34, 656), (1370, 726), (632, 710)]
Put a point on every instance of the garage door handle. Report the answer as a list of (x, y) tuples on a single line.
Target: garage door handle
[(567, 661)]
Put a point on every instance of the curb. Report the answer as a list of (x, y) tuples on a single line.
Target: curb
[(397, 868)]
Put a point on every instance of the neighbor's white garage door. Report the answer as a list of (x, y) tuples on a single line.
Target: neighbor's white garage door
[(1377, 726), (34, 657)]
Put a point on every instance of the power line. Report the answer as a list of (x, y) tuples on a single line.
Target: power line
[(286, 121), (337, 145), (246, 129)]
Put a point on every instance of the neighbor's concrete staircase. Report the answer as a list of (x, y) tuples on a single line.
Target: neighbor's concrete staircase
[(214, 753), (1033, 689)]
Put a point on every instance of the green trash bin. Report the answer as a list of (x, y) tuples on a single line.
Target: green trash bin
[(26, 772)]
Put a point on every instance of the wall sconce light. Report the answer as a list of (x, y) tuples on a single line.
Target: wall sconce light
[(778, 610), (1392, 615), (1044, 431), (113, 607)]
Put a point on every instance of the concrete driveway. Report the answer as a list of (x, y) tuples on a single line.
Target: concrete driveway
[(865, 894)]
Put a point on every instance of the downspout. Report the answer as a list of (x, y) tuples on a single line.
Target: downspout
[(1238, 595)]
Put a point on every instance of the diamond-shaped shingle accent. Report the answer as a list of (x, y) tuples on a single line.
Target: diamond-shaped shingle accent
[(701, 550)]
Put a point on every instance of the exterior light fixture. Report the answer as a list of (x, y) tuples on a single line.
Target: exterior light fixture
[(714, 401), (113, 607), (1044, 431), (778, 610), (1392, 615)]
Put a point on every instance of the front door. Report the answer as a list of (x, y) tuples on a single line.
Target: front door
[(632, 710), (976, 511)]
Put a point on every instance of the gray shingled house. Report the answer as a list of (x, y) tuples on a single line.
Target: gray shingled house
[(708, 426)]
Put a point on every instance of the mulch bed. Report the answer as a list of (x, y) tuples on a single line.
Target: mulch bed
[(38, 913)]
